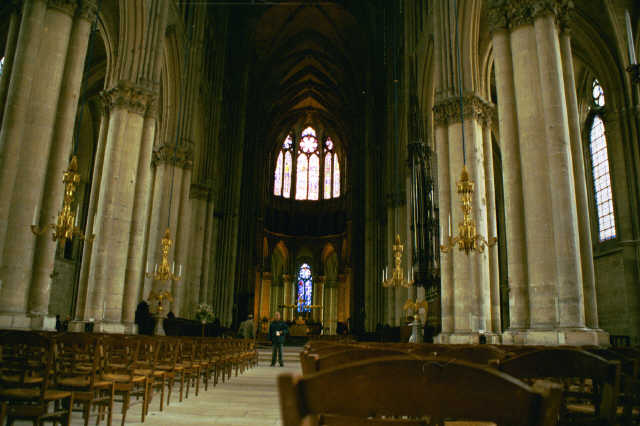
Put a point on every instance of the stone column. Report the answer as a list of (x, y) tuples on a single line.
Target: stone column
[(492, 225), (444, 206), (31, 163), (87, 249), (208, 274), (331, 317), (141, 205), (26, 64), (540, 246), (9, 53), (194, 278), (182, 243), (59, 156), (114, 210), (287, 313), (562, 190), (582, 199), (512, 182)]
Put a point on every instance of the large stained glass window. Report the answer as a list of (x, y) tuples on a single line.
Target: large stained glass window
[(600, 170), (327, 175), (277, 179), (305, 288), (336, 176), (1, 64), (316, 168), (282, 172)]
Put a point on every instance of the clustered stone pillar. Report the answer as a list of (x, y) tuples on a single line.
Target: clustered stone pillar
[(9, 52), (43, 77), (536, 106), (194, 289), (468, 293), (287, 313), (331, 310)]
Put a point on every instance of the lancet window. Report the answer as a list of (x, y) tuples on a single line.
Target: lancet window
[(305, 288)]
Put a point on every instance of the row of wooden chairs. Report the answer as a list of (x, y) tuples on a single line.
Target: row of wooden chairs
[(597, 385), (43, 375)]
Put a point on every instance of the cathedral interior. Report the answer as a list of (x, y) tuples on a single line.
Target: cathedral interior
[(312, 157)]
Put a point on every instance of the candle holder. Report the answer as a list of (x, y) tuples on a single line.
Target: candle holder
[(164, 271), (65, 227), (397, 276), (467, 239)]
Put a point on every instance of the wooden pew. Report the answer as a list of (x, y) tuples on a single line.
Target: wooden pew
[(585, 378), (405, 390)]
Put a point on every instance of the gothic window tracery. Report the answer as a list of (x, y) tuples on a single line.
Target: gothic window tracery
[(317, 168), (600, 168)]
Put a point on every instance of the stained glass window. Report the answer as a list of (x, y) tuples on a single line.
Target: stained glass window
[(598, 94), (305, 288), (314, 177), (302, 175), (310, 172), (602, 181), (336, 176), (277, 178), (327, 175), (1, 65), (288, 166)]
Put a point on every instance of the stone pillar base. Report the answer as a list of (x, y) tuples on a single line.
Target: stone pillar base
[(16, 321), (110, 327), (557, 336), (43, 322), (467, 338)]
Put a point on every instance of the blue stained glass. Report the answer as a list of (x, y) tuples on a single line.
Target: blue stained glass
[(305, 288)]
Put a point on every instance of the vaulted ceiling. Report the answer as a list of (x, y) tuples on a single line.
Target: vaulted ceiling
[(308, 68)]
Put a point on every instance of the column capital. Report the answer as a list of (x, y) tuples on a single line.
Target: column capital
[(199, 191), (87, 10), (180, 155), (65, 6), (514, 13), (447, 111), (152, 107), (128, 96)]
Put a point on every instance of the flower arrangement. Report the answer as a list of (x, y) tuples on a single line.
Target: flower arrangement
[(204, 313)]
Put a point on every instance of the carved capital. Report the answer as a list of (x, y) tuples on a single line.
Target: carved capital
[(180, 155), (129, 97), (448, 110), (152, 107), (65, 6), (199, 191), (87, 10), (514, 13)]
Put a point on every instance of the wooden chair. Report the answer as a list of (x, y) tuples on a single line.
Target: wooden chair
[(336, 359), (120, 353), (3, 412), (170, 361), (413, 391), (79, 370), (146, 364), (590, 383), (26, 370)]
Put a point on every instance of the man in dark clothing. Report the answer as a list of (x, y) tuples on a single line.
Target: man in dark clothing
[(277, 332)]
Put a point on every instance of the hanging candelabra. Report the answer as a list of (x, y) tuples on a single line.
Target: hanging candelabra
[(397, 278), (65, 227), (468, 239), (165, 271)]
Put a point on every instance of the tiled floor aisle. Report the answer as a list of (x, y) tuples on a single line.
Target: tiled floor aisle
[(249, 399)]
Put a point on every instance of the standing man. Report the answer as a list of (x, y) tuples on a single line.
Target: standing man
[(247, 329), (277, 332)]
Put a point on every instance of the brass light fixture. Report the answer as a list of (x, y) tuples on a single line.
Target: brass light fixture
[(397, 278), (416, 306), (164, 271), (467, 239), (65, 227), (160, 297)]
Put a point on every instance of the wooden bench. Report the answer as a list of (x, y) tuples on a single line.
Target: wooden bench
[(413, 391)]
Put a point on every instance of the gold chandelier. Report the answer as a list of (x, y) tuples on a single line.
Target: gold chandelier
[(467, 239), (160, 297), (397, 275), (164, 271), (65, 227)]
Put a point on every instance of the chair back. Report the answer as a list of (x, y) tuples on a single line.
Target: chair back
[(79, 354), (418, 389), (27, 361)]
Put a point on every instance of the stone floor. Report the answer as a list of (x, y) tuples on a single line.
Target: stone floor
[(249, 399)]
